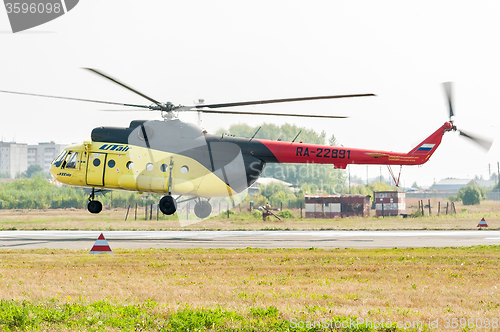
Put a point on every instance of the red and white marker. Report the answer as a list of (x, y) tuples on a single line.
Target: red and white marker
[(482, 223), (101, 246)]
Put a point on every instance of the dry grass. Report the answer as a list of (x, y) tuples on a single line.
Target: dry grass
[(395, 284), (467, 217)]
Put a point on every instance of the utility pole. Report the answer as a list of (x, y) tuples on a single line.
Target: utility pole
[(349, 171)]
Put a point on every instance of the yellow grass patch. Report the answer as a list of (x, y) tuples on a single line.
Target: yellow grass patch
[(396, 284)]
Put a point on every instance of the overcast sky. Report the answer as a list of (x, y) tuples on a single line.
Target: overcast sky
[(224, 51)]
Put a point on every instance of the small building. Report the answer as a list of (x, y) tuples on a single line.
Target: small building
[(331, 206), (389, 203), (451, 186)]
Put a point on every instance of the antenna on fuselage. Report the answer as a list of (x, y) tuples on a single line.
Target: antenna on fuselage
[(296, 136), (255, 133)]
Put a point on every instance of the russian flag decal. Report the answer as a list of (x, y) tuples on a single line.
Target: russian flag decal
[(424, 149)]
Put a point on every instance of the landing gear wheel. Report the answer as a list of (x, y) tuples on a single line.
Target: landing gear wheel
[(168, 205), (94, 206), (203, 209)]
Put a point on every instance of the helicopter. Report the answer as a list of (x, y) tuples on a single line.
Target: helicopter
[(175, 158)]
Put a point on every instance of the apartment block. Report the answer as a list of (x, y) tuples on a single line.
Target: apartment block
[(16, 157)]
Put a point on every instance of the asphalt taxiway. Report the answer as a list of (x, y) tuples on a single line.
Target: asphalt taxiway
[(243, 239)]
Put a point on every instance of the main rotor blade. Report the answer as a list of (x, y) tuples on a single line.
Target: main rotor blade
[(77, 99), (484, 143), (125, 86), (447, 88), (273, 114), (271, 101)]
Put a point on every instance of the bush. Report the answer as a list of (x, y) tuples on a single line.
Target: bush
[(471, 195), (257, 214), (285, 214)]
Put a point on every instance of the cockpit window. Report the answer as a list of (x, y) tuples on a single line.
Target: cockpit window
[(71, 159), (57, 162)]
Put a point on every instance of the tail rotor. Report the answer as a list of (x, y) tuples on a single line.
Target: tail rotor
[(482, 142)]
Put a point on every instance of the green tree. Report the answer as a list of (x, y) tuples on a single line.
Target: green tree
[(4, 175), (286, 132), (471, 195), (333, 141), (321, 177), (371, 188), (32, 171)]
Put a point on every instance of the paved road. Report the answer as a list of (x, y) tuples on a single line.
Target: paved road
[(243, 239)]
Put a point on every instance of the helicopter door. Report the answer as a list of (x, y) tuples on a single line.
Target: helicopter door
[(95, 169)]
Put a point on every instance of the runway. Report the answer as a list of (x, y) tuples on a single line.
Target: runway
[(243, 239)]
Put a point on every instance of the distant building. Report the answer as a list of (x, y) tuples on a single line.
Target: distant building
[(13, 158), (16, 157), (486, 184), (43, 154), (451, 186)]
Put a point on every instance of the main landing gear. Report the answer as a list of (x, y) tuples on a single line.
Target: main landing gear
[(94, 206), (202, 209), (168, 205)]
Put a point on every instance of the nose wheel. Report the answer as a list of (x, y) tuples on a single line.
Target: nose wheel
[(93, 206), (202, 209)]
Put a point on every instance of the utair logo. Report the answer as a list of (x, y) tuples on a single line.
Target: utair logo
[(114, 147), (26, 14), (64, 174)]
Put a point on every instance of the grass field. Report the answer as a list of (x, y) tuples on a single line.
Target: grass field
[(442, 289), (467, 217), (250, 289)]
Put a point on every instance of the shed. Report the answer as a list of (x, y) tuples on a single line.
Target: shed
[(331, 206), (450, 185), (389, 203)]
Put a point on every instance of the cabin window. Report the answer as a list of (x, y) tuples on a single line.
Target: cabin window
[(163, 167), (149, 167), (96, 162), (71, 160), (130, 165), (184, 169), (111, 163)]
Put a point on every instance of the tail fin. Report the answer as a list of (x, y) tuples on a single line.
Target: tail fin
[(427, 147)]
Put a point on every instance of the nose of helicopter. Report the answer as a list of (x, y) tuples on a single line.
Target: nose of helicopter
[(57, 165), (55, 169)]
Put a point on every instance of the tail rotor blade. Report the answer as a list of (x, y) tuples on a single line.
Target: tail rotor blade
[(447, 88), (484, 143)]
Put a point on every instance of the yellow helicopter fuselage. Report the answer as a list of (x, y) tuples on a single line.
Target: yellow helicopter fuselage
[(135, 168)]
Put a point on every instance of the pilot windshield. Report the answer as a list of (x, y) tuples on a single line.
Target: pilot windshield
[(57, 162)]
